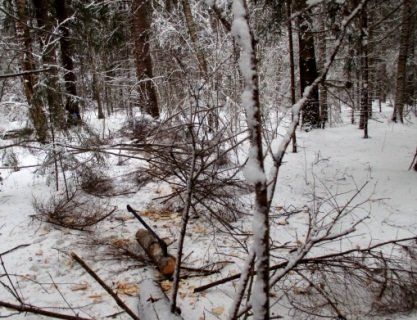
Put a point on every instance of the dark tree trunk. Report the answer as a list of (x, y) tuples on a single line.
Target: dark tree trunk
[(141, 24), (292, 68), (322, 61), (364, 114), (400, 88), (36, 111), (54, 99), (308, 66), (71, 105)]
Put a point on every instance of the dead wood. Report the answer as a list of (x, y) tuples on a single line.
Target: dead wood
[(306, 260), (36, 310), (159, 256), (153, 303), (14, 249), (412, 162), (73, 212), (119, 302)]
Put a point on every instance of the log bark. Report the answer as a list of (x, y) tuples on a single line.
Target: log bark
[(149, 243)]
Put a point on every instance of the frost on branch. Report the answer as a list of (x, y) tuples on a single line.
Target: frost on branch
[(254, 169)]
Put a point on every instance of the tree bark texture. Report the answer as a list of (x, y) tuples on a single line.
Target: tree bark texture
[(56, 110), (364, 112), (322, 60), (401, 83), (36, 111), (141, 25), (165, 263), (71, 105), (192, 31), (308, 66), (292, 68)]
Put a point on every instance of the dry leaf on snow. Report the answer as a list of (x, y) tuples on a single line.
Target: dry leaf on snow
[(130, 289), (217, 311)]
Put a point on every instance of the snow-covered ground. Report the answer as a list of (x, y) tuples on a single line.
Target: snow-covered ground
[(331, 161)]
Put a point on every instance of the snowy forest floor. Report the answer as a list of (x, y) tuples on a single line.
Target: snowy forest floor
[(330, 162)]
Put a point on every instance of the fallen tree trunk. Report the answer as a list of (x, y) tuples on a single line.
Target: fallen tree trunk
[(159, 256), (153, 303)]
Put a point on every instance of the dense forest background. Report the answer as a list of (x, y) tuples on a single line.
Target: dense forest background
[(191, 108)]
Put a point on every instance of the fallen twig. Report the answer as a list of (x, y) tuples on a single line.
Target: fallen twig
[(119, 302), (305, 260), (414, 159), (14, 249), (36, 310)]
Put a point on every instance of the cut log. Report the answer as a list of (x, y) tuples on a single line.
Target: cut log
[(153, 303), (152, 246)]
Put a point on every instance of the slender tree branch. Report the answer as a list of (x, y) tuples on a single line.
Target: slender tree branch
[(116, 298)]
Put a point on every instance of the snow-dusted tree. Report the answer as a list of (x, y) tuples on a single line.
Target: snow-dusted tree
[(322, 48), (36, 111), (401, 83), (254, 171), (67, 52), (47, 47), (141, 28), (364, 56), (307, 65)]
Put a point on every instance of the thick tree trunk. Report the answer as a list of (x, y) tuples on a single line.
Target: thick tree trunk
[(308, 66), (56, 110), (36, 112), (400, 88), (71, 105), (141, 25)]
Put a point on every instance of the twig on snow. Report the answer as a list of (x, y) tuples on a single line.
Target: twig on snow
[(119, 302)]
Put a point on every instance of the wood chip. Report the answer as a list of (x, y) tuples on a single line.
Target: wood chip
[(130, 289), (79, 286), (217, 311), (166, 285)]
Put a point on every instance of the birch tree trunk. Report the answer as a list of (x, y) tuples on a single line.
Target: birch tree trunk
[(400, 87)]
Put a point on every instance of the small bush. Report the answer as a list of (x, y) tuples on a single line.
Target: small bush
[(72, 211)]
